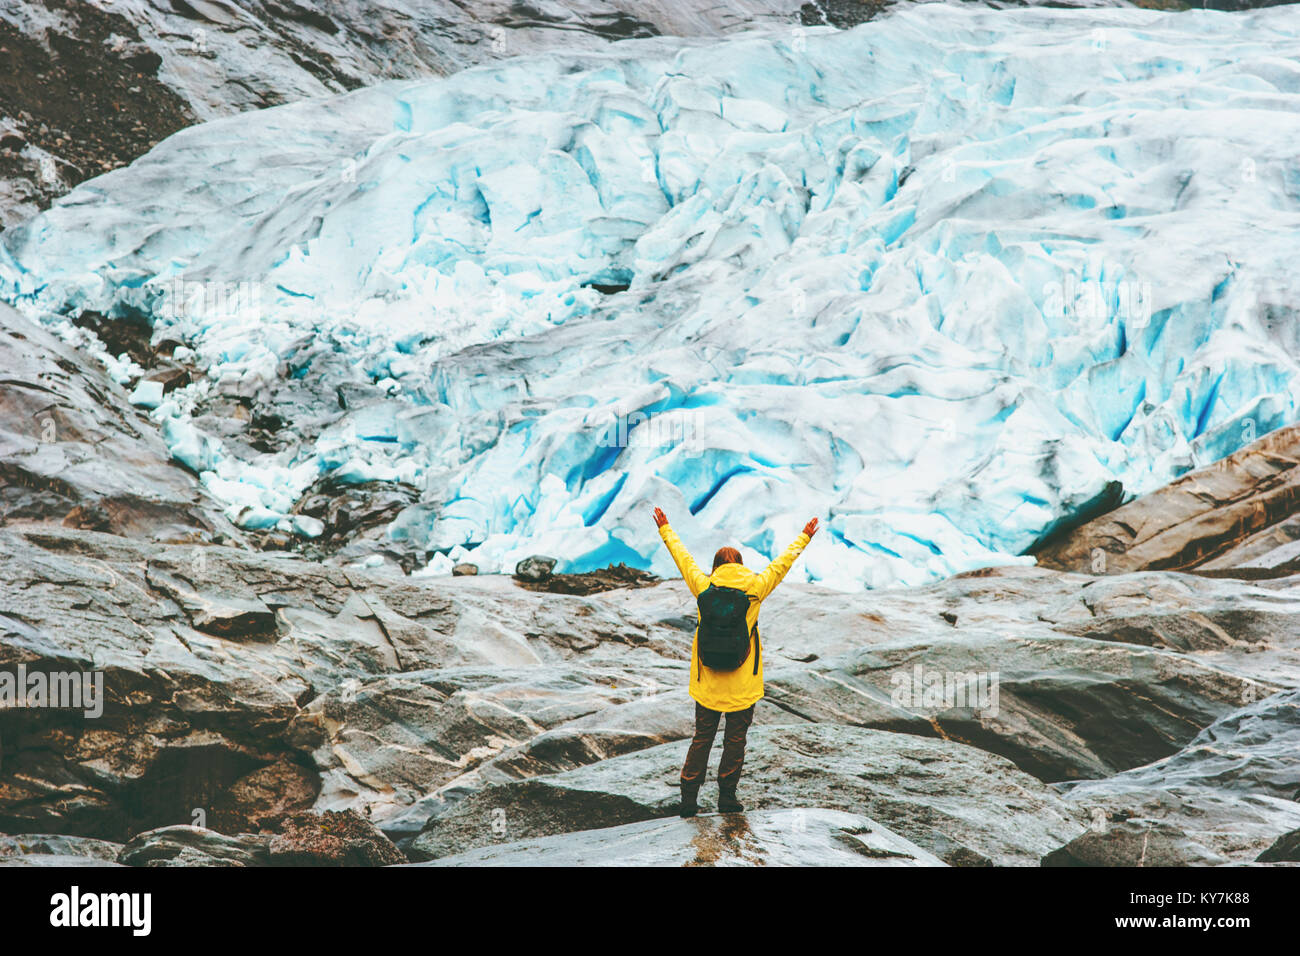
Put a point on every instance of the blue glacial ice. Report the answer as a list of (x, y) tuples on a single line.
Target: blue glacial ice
[(940, 279)]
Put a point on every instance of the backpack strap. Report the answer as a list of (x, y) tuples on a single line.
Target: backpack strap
[(699, 668), (756, 649)]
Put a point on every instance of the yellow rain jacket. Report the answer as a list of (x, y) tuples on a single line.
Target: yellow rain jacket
[(729, 691)]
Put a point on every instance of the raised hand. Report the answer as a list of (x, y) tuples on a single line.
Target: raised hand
[(661, 519), (810, 528)]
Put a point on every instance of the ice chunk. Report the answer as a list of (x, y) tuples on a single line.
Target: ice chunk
[(147, 394), (307, 526)]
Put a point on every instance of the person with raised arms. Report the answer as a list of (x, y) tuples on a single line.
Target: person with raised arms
[(726, 657)]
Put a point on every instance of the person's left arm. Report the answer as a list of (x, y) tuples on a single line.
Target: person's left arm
[(776, 571)]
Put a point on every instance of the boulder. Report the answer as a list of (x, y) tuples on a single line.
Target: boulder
[(535, 569), (342, 838), (1285, 849), (1134, 843), (194, 846)]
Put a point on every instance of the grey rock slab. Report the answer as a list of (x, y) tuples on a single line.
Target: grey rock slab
[(55, 860), (57, 844), (796, 837), (194, 846), (1061, 707), (1233, 790), (996, 815)]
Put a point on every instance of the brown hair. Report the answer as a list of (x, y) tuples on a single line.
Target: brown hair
[(726, 556)]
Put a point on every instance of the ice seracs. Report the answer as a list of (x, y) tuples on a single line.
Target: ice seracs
[(942, 279)]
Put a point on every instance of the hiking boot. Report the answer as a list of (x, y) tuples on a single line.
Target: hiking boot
[(689, 807), (727, 802)]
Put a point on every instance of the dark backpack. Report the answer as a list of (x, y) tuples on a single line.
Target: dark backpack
[(723, 638)]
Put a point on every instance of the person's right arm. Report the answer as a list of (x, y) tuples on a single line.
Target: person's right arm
[(695, 579)]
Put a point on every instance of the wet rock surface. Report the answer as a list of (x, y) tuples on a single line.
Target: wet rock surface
[(813, 837), (1229, 795), (998, 815), (1134, 843)]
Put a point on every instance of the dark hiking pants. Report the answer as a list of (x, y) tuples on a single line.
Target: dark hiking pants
[(733, 746)]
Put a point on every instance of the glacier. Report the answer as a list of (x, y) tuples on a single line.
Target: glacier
[(948, 280)]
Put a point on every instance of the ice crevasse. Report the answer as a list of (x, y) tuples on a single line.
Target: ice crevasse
[(943, 280)]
